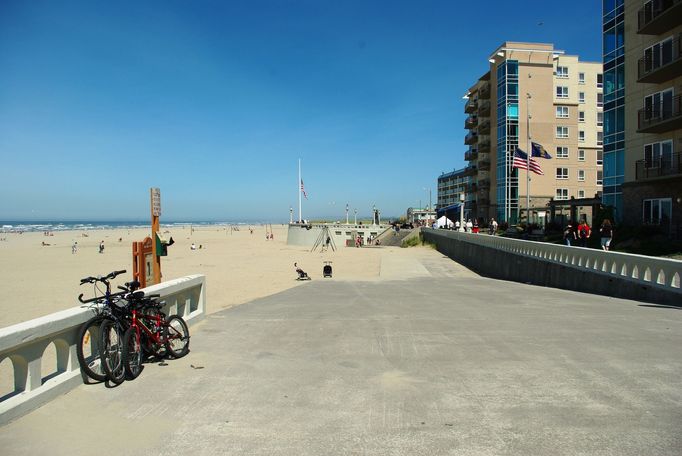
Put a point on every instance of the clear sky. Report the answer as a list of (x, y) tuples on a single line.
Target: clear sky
[(215, 101)]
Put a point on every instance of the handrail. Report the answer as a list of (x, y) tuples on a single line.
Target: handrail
[(656, 272), (24, 344)]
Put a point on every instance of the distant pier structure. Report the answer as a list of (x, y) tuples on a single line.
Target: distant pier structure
[(306, 234)]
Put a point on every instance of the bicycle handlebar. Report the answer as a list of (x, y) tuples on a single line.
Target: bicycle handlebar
[(103, 279)]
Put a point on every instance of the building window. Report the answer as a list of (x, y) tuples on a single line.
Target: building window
[(658, 55), (562, 173), (658, 155), (581, 136), (561, 194), (600, 81), (600, 100), (600, 178), (581, 116), (600, 138), (600, 157), (581, 174), (562, 92), (658, 104), (600, 119), (562, 112), (581, 155), (581, 97), (581, 193), (562, 132), (562, 72), (561, 152), (581, 78), (657, 211)]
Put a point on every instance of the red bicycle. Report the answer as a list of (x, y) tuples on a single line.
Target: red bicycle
[(152, 333)]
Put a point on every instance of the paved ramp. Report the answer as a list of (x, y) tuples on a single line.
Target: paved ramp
[(445, 363)]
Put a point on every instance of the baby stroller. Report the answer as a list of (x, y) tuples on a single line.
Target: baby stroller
[(327, 269), (302, 275)]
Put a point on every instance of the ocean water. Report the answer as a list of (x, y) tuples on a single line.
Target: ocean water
[(14, 226)]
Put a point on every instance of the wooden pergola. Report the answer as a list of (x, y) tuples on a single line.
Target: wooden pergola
[(572, 205)]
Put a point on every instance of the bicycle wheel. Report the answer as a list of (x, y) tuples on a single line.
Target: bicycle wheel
[(88, 349), (177, 336), (112, 351), (149, 346), (132, 353)]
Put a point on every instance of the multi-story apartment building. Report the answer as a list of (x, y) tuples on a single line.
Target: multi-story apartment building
[(451, 186), (534, 93), (649, 41)]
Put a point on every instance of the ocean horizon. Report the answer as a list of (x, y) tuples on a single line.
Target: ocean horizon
[(88, 225)]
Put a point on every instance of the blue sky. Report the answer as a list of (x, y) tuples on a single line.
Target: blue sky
[(215, 101)]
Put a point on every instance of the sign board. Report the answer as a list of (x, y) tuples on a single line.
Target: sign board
[(156, 202)]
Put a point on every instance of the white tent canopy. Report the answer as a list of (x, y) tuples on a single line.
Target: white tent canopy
[(444, 222)]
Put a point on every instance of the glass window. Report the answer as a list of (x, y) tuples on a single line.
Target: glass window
[(513, 110), (581, 78), (600, 100), (581, 97), (600, 138), (581, 174), (562, 112), (600, 119), (581, 116), (581, 155), (600, 177), (658, 155), (562, 132), (581, 136), (561, 194), (657, 211), (562, 72), (581, 193), (562, 173), (600, 81), (561, 152), (562, 92), (600, 157)]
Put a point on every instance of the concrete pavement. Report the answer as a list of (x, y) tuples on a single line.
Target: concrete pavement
[(444, 362)]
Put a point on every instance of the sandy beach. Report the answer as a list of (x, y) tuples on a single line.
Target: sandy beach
[(239, 266)]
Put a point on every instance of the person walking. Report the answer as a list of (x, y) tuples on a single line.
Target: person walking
[(74, 247), (101, 247), (569, 235), (584, 232), (493, 227), (606, 231)]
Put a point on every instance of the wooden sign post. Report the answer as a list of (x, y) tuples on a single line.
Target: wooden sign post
[(155, 194)]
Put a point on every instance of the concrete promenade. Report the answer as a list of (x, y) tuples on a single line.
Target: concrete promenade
[(428, 360)]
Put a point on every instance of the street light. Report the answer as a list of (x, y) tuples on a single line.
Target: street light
[(356, 216), (291, 214), (346, 213), (461, 212)]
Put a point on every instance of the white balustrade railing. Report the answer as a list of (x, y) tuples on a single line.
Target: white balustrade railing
[(662, 273), (25, 345)]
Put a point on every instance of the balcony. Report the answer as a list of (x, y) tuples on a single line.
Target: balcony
[(484, 164), (484, 147), (665, 118), (471, 122), (658, 16), (660, 167), (471, 138), (484, 108), (470, 170), (483, 201), (484, 91), (471, 188), (484, 184), (484, 128), (471, 106), (660, 68), (471, 155)]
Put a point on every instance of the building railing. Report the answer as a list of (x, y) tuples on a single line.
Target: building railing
[(484, 146), (652, 271), (655, 10), (659, 167), (660, 118), (653, 68), (470, 122), (471, 106), (484, 128), (484, 108), (25, 344), (470, 138), (484, 183), (471, 154)]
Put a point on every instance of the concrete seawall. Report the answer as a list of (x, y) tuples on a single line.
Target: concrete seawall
[(570, 268)]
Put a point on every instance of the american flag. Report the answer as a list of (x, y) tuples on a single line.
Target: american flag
[(521, 162), (303, 190)]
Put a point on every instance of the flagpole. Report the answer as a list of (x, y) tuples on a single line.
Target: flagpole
[(300, 215), (529, 152)]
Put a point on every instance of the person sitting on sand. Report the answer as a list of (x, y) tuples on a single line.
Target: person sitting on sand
[(45, 244), (193, 246)]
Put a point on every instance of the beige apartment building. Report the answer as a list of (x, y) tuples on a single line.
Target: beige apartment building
[(651, 45), (535, 93)]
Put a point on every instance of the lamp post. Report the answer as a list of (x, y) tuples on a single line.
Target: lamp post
[(346, 213), (461, 212), (374, 214), (291, 214), (356, 216)]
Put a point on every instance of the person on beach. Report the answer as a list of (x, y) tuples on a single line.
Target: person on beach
[(101, 247), (74, 248), (606, 231), (569, 235), (193, 246)]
